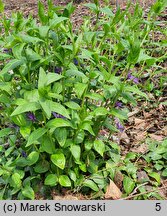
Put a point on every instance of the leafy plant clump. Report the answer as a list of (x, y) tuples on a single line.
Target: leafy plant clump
[(60, 87)]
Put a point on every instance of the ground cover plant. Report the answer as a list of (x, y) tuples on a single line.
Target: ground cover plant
[(61, 87)]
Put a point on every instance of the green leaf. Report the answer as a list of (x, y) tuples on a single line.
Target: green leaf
[(51, 180), (5, 132), (86, 126), (76, 151), (118, 113), (42, 167), (35, 135), (76, 73), (17, 50), (25, 131), (61, 136), (164, 173), (29, 39), (31, 55), (42, 78), (11, 65), (59, 160), (26, 107), (99, 147), (72, 175), (43, 31), (52, 77), (5, 86), (135, 90), (129, 98), (45, 104), (58, 108), (77, 44), (56, 20), (80, 88), (28, 192), (156, 176), (41, 13), (64, 181), (21, 162), (48, 145), (128, 184), (89, 183), (2, 6), (72, 105), (32, 158), (16, 180), (100, 111), (58, 122)]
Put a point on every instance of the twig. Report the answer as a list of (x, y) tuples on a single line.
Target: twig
[(135, 190), (143, 193)]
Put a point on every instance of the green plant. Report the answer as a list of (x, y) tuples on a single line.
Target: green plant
[(59, 88)]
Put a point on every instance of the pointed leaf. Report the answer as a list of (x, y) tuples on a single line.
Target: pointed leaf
[(59, 160), (58, 122), (128, 184), (35, 135), (99, 147), (32, 158), (31, 106), (64, 181), (28, 192), (89, 183), (76, 151), (51, 180)]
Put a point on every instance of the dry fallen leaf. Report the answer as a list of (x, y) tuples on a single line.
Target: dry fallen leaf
[(113, 191), (118, 179), (124, 138), (156, 137)]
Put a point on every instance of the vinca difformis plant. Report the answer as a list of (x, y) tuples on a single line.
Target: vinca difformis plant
[(59, 87)]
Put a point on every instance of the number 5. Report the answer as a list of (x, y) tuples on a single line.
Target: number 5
[(158, 207)]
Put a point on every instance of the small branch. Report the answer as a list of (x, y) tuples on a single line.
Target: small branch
[(136, 195)]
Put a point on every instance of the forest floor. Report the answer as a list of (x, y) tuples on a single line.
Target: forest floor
[(147, 120)]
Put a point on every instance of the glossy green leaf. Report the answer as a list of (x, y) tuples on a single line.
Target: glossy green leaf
[(42, 78), (42, 166), (51, 180), (27, 107), (58, 108), (47, 144), (89, 183), (76, 151), (86, 126), (128, 184), (72, 105), (59, 160), (80, 88), (99, 146), (164, 173), (64, 181), (61, 136), (28, 192), (16, 180), (58, 122), (52, 77), (32, 158), (35, 135), (72, 175), (155, 176)]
